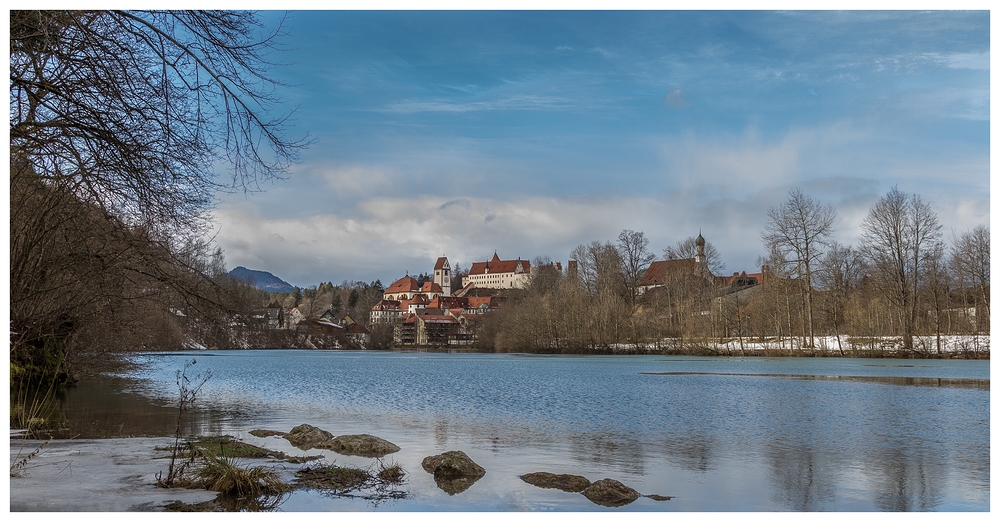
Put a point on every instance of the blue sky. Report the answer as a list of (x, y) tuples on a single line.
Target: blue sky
[(528, 133)]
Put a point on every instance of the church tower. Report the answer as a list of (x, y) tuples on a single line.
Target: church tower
[(700, 259), (442, 275)]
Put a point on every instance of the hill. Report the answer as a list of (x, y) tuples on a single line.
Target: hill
[(265, 281)]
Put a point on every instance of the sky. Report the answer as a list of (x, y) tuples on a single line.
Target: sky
[(527, 133)]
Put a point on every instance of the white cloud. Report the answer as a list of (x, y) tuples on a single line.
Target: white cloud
[(721, 185), (504, 103), (747, 162), (974, 61)]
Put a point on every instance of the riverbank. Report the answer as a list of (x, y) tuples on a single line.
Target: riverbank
[(924, 347), (116, 474)]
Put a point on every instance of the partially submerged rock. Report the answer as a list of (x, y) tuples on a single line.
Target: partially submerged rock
[(267, 433), (569, 483), (454, 472), (361, 445), (658, 498), (306, 437), (611, 493)]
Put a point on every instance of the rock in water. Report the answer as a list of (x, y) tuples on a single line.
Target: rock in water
[(306, 437), (611, 493), (454, 472), (569, 483), (267, 433), (361, 445)]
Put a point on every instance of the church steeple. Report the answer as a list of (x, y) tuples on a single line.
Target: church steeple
[(700, 258)]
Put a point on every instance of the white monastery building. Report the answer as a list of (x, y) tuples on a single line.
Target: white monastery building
[(496, 273)]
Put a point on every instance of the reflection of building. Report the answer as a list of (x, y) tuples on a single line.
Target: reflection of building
[(497, 273)]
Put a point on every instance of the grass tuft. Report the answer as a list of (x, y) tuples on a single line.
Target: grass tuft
[(390, 473), (225, 475)]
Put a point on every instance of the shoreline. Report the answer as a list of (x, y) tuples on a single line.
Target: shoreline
[(94, 474), (925, 347)]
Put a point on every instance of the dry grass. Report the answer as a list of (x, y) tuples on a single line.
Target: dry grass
[(390, 473), (20, 464), (226, 476)]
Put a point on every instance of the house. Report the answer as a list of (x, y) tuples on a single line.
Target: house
[(320, 326), (293, 318), (433, 326), (358, 334), (271, 316), (386, 311), (500, 274)]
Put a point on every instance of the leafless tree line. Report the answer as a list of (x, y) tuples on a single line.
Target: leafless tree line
[(900, 283)]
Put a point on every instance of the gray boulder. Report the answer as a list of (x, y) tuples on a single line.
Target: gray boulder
[(569, 483), (454, 472), (306, 437), (361, 445), (611, 493)]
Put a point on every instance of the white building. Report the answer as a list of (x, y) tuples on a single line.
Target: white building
[(500, 274)]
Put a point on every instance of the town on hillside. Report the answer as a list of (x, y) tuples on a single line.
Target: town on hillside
[(427, 311)]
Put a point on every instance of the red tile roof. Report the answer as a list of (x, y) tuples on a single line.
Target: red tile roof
[(440, 263), (406, 284), (385, 304), (430, 286), (660, 272), (431, 318), (496, 265), (491, 302), (450, 302)]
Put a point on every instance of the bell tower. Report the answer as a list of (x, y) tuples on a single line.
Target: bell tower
[(700, 259), (442, 275)]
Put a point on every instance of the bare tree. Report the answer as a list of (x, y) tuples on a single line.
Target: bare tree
[(801, 227), (898, 234), (970, 261), (840, 272), (133, 109), (687, 249), (937, 288), (633, 250), (599, 267), (117, 120)]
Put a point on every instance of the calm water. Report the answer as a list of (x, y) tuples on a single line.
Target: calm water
[(717, 434)]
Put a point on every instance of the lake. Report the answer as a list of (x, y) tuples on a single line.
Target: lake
[(712, 433)]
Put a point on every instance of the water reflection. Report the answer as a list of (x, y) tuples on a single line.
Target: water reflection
[(614, 451), (801, 480), (692, 452), (982, 384), (901, 482)]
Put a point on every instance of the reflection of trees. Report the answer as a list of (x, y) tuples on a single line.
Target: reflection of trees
[(904, 482), (692, 452), (799, 480), (609, 450)]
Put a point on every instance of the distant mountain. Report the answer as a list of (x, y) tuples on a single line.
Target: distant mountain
[(265, 281)]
